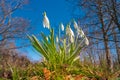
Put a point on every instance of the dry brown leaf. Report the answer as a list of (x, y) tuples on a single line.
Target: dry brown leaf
[(79, 77), (47, 73), (93, 79), (35, 78), (68, 77)]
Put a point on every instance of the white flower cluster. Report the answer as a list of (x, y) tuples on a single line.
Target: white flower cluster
[(69, 32), (81, 33)]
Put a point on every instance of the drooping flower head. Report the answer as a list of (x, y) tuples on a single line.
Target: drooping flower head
[(57, 39), (67, 29), (70, 33), (46, 23), (79, 30), (62, 26), (81, 33), (86, 41), (75, 24)]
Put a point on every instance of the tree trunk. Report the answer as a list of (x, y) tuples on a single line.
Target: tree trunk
[(117, 47), (108, 56), (105, 39)]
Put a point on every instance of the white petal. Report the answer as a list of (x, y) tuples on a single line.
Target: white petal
[(71, 39), (75, 25), (62, 27), (80, 32), (71, 35), (57, 39), (71, 32), (86, 41), (67, 30), (46, 23), (43, 25)]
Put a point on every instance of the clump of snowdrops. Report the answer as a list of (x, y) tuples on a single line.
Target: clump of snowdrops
[(58, 50)]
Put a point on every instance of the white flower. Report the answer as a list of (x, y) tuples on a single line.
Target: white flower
[(72, 39), (70, 33), (57, 39), (62, 27), (79, 30), (46, 23), (82, 33), (75, 25), (86, 41), (67, 29)]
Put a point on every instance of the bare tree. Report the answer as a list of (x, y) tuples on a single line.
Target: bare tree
[(11, 28), (102, 18), (115, 5)]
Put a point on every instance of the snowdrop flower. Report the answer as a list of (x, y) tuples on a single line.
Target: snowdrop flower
[(57, 39), (70, 33), (46, 23), (79, 30), (72, 39), (81, 33), (62, 27), (86, 41), (67, 29), (75, 25)]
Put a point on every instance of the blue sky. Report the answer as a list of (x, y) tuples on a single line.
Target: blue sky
[(57, 12)]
